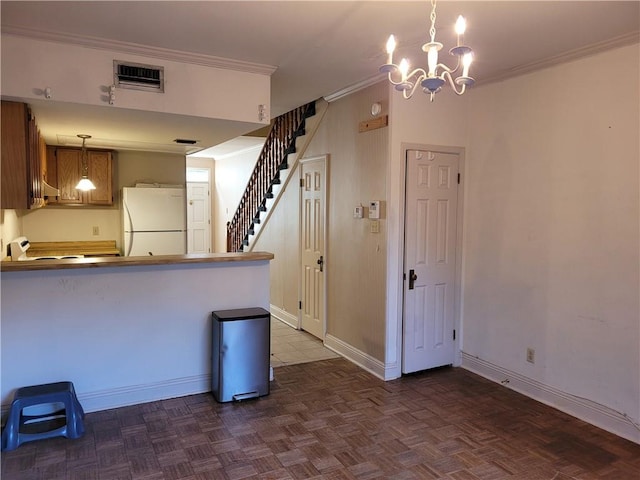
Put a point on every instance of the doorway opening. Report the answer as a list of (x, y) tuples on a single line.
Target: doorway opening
[(432, 257), (313, 228), (198, 210)]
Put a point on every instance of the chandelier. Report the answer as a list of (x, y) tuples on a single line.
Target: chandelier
[(437, 74)]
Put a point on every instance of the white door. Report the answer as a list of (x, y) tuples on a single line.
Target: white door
[(198, 218), (430, 256), (312, 238)]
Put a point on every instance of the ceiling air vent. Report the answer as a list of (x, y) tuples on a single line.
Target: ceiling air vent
[(138, 76)]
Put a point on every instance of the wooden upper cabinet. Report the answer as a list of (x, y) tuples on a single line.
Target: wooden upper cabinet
[(65, 171), (100, 173), (20, 182), (68, 168)]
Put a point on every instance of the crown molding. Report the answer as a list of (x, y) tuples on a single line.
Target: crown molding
[(143, 50), (332, 97), (616, 42)]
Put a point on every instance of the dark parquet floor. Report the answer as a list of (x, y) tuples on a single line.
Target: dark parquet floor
[(332, 420)]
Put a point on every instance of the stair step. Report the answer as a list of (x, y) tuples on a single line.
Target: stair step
[(269, 194), (276, 181), (262, 207), (283, 166), (311, 111), (256, 220), (301, 130)]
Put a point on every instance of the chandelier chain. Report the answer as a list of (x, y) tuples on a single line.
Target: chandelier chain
[(432, 30)]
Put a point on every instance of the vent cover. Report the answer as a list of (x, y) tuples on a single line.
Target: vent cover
[(137, 76)]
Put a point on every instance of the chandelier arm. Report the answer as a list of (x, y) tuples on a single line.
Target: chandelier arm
[(446, 75), (413, 90), (420, 74), (392, 81), (450, 70)]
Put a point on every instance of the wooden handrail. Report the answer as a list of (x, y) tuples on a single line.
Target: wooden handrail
[(280, 142)]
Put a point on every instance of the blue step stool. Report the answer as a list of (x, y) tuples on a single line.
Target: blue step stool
[(24, 428)]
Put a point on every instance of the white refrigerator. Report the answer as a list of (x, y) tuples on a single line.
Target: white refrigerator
[(154, 221)]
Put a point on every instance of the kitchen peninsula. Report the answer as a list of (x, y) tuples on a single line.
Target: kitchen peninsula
[(125, 330)]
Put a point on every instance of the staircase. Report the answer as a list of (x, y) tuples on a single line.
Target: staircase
[(286, 143)]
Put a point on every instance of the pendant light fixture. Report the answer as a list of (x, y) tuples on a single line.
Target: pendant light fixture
[(85, 184), (431, 80)]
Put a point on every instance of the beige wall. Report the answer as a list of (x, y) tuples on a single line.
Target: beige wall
[(281, 236), (355, 258), (232, 174), (150, 167)]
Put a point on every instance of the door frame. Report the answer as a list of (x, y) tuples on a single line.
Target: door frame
[(186, 199), (457, 324), (325, 159)]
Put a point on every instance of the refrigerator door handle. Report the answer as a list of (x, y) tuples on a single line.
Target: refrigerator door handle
[(128, 252)]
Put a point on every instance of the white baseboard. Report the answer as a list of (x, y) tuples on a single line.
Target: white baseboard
[(363, 360), (135, 394), (284, 316), (150, 392), (586, 410), (132, 395)]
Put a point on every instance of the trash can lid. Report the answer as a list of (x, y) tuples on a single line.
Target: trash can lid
[(240, 314)]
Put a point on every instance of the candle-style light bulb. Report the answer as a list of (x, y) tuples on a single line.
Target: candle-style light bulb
[(432, 60), (404, 68), (467, 58), (391, 46), (461, 26)]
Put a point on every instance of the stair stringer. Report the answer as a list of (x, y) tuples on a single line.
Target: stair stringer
[(293, 159)]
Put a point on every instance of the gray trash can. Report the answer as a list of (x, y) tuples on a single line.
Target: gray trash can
[(240, 354)]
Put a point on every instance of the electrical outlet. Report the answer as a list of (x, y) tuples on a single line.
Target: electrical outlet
[(531, 355), (96, 230)]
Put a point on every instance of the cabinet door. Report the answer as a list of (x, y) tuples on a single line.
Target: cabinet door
[(100, 174), (15, 164), (21, 160), (69, 172)]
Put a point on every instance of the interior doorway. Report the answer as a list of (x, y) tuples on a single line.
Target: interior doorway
[(198, 210), (431, 258), (313, 193)]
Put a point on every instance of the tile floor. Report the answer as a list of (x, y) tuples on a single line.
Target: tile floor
[(290, 346)]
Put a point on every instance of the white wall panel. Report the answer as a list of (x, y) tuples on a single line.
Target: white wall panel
[(83, 75), (552, 232)]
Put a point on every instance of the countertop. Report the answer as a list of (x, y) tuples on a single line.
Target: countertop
[(98, 262)]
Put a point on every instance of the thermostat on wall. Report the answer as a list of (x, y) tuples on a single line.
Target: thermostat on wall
[(374, 209)]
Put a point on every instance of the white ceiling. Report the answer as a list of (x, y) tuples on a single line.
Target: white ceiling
[(318, 47)]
